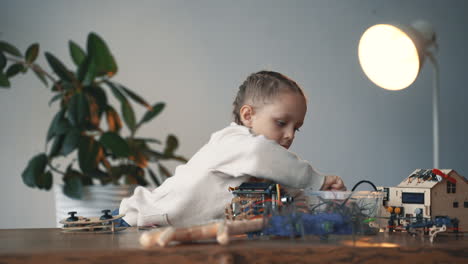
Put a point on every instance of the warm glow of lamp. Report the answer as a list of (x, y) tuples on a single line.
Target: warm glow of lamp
[(389, 57), (392, 56)]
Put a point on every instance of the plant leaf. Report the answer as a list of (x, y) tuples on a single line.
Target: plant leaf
[(56, 146), (171, 145), (94, 118), (136, 97), (149, 140), (101, 55), (140, 177), (114, 123), (73, 186), (87, 71), (127, 110), (117, 172), (88, 150), (58, 67), (137, 144), (87, 180), (116, 92), (58, 126), (55, 98), (100, 97), (4, 82), (155, 155), (3, 61), (179, 158), (97, 174), (58, 116), (70, 142), (139, 158), (34, 169), (102, 176), (31, 53), (78, 109), (41, 77), (135, 175), (153, 177), (156, 109), (60, 86), (14, 69), (129, 116), (164, 171), (62, 127), (44, 181), (8, 48), (115, 143), (77, 53)]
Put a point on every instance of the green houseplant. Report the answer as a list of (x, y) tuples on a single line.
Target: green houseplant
[(87, 129)]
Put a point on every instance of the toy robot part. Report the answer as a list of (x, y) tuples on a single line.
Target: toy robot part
[(72, 217), (103, 224), (440, 173), (255, 199), (430, 175), (434, 230), (420, 224), (106, 215)]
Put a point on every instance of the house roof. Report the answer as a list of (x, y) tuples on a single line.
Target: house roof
[(424, 178)]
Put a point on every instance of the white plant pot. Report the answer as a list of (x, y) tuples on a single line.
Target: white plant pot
[(95, 199)]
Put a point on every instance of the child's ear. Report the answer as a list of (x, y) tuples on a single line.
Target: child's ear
[(246, 113)]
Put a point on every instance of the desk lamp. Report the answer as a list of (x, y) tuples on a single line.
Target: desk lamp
[(391, 56)]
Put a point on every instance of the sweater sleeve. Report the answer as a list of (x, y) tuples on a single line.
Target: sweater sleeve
[(240, 154)]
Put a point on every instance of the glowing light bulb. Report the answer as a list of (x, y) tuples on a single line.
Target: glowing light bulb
[(388, 57)]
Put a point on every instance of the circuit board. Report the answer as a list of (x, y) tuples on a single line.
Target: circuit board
[(78, 224)]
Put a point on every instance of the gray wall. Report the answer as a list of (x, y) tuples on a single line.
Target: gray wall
[(194, 54)]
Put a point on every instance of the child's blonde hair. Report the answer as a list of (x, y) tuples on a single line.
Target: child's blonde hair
[(263, 86)]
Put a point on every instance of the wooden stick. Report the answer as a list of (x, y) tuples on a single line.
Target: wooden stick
[(220, 230)]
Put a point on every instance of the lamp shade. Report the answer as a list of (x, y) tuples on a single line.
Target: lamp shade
[(391, 56)]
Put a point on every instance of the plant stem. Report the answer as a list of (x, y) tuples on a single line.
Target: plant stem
[(34, 67), (54, 169), (38, 68)]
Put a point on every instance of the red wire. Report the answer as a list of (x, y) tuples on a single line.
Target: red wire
[(440, 173)]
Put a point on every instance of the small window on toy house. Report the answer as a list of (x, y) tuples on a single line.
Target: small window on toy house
[(455, 204), (465, 204), (451, 187)]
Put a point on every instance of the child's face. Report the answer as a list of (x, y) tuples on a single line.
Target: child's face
[(280, 119)]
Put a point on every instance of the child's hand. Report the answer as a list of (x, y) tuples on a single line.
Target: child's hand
[(334, 183)]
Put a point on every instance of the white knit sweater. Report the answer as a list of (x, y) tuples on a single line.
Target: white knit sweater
[(198, 191)]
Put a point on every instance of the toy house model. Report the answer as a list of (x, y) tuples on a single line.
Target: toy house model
[(430, 192)]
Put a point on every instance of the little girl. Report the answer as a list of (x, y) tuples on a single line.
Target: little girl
[(268, 110)]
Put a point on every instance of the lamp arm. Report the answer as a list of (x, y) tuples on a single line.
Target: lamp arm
[(435, 109)]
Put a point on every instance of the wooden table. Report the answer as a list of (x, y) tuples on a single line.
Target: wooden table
[(54, 246)]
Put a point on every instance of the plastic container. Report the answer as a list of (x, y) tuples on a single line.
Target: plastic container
[(326, 213)]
